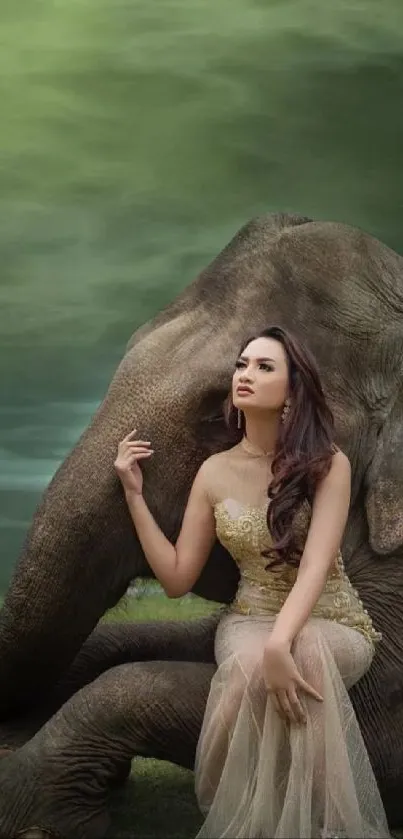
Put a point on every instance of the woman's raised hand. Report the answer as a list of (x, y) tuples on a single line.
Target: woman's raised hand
[(130, 452)]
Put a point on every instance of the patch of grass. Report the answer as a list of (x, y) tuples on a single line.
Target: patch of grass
[(156, 606), (158, 802)]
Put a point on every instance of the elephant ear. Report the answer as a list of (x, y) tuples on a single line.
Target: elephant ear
[(384, 500)]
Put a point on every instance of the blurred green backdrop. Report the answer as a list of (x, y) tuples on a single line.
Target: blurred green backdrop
[(136, 137)]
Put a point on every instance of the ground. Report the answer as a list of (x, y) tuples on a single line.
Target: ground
[(135, 814)]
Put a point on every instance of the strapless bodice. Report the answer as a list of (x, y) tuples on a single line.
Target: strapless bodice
[(243, 531)]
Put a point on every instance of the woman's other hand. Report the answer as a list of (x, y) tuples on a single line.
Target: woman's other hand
[(130, 452), (283, 681)]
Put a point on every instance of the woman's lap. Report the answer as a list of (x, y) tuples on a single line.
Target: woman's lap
[(244, 638), (257, 776)]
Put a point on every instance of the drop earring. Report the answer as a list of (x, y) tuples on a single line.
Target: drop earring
[(239, 418), (286, 410)]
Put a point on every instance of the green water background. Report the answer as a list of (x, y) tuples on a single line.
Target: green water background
[(136, 137)]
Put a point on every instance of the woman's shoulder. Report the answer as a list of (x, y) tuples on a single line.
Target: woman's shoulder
[(339, 457), (216, 471), (340, 467), (218, 460)]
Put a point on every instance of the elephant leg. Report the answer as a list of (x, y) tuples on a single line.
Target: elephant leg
[(60, 780), (109, 645), (112, 644)]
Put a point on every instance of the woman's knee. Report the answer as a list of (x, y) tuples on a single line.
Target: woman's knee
[(232, 699), (244, 683)]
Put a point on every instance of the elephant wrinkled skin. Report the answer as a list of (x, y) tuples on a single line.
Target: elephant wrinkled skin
[(119, 691)]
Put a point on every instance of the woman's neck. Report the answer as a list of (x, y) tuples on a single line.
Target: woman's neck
[(262, 434)]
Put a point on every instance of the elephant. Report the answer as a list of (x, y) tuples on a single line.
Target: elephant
[(80, 698)]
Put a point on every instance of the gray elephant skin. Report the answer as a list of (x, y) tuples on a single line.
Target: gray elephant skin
[(79, 699)]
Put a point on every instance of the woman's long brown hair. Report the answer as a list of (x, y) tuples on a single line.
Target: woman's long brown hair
[(304, 447)]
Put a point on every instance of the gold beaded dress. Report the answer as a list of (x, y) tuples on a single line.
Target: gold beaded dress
[(255, 774)]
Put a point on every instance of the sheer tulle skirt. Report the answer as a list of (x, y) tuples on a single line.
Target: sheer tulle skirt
[(258, 776)]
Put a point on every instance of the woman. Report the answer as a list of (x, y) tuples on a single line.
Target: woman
[(280, 752)]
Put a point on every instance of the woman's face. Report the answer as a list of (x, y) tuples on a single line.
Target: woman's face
[(261, 378)]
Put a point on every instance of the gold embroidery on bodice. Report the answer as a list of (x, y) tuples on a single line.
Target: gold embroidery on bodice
[(243, 531)]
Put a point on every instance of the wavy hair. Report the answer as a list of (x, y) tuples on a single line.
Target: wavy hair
[(304, 447)]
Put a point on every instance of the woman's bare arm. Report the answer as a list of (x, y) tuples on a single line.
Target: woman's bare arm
[(177, 567), (329, 517)]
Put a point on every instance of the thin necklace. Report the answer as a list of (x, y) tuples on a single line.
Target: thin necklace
[(254, 450)]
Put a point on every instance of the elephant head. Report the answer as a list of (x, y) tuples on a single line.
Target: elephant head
[(335, 287)]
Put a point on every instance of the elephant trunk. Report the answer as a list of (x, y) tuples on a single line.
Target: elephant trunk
[(80, 554)]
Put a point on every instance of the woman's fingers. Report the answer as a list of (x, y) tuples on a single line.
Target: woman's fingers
[(131, 457), (277, 706), (130, 435), (309, 689), (286, 705), (129, 446), (295, 703), (131, 439), (127, 461), (142, 455), (133, 450)]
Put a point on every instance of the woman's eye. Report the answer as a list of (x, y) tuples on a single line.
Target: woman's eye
[(239, 364), (268, 367)]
